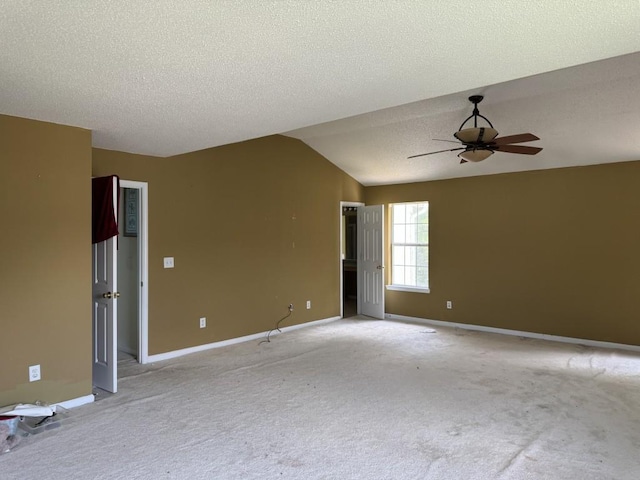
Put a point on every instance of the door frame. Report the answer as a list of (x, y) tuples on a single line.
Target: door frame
[(143, 267), (341, 243)]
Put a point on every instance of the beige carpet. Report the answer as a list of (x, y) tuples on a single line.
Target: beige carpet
[(357, 399)]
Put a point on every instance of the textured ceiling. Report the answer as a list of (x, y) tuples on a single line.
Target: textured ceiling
[(167, 77), (584, 115)]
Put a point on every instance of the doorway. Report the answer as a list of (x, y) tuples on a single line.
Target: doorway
[(128, 274), (349, 258), (361, 260), (133, 246), (120, 288)]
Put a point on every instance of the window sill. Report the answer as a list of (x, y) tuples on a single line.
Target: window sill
[(403, 288)]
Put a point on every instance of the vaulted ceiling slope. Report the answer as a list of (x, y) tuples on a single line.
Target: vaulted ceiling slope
[(165, 77), (584, 115)]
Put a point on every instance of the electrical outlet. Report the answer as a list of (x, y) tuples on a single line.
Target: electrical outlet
[(34, 373), (203, 322), (449, 305), (308, 304), (291, 307)]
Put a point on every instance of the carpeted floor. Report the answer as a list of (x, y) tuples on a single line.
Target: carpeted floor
[(357, 399)]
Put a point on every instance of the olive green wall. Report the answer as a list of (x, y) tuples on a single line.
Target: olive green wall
[(253, 227), (45, 264), (551, 251)]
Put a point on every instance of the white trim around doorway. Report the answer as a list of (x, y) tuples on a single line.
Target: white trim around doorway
[(143, 266), (340, 241)]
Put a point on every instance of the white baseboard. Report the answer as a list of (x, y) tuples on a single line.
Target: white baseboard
[(517, 333), (76, 402), (232, 341)]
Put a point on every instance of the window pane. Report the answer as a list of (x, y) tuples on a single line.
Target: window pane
[(423, 213), (412, 234), (422, 256), (398, 255), (423, 233), (398, 234), (410, 256), (412, 213), (399, 215), (398, 275), (422, 277), (410, 276)]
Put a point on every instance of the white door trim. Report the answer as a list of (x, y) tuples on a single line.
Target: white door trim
[(143, 267), (345, 204)]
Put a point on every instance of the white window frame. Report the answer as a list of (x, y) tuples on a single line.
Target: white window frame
[(398, 287)]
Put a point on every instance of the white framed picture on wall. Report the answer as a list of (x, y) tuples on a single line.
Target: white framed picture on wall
[(130, 212)]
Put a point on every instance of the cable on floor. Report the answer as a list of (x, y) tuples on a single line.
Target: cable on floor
[(277, 327)]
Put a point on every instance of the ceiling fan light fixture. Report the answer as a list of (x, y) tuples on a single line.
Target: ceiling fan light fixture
[(479, 143), (475, 155), (476, 134)]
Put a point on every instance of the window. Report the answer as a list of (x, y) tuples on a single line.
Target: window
[(410, 247)]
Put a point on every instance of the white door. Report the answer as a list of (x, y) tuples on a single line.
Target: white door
[(371, 264), (105, 355), (105, 307)]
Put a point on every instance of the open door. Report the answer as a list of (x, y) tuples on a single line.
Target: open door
[(105, 305), (371, 264), (105, 349)]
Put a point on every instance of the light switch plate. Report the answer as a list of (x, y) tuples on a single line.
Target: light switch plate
[(168, 262)]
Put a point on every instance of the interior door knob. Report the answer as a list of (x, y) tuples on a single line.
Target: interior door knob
[(106, 295), (116, 294), (380, 267)]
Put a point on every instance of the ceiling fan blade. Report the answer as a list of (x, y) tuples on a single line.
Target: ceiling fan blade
[(522, 137), (521, 149), (439, 151), (442, 140)]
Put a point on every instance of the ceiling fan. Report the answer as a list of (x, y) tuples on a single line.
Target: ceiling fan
[(479, 143)]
